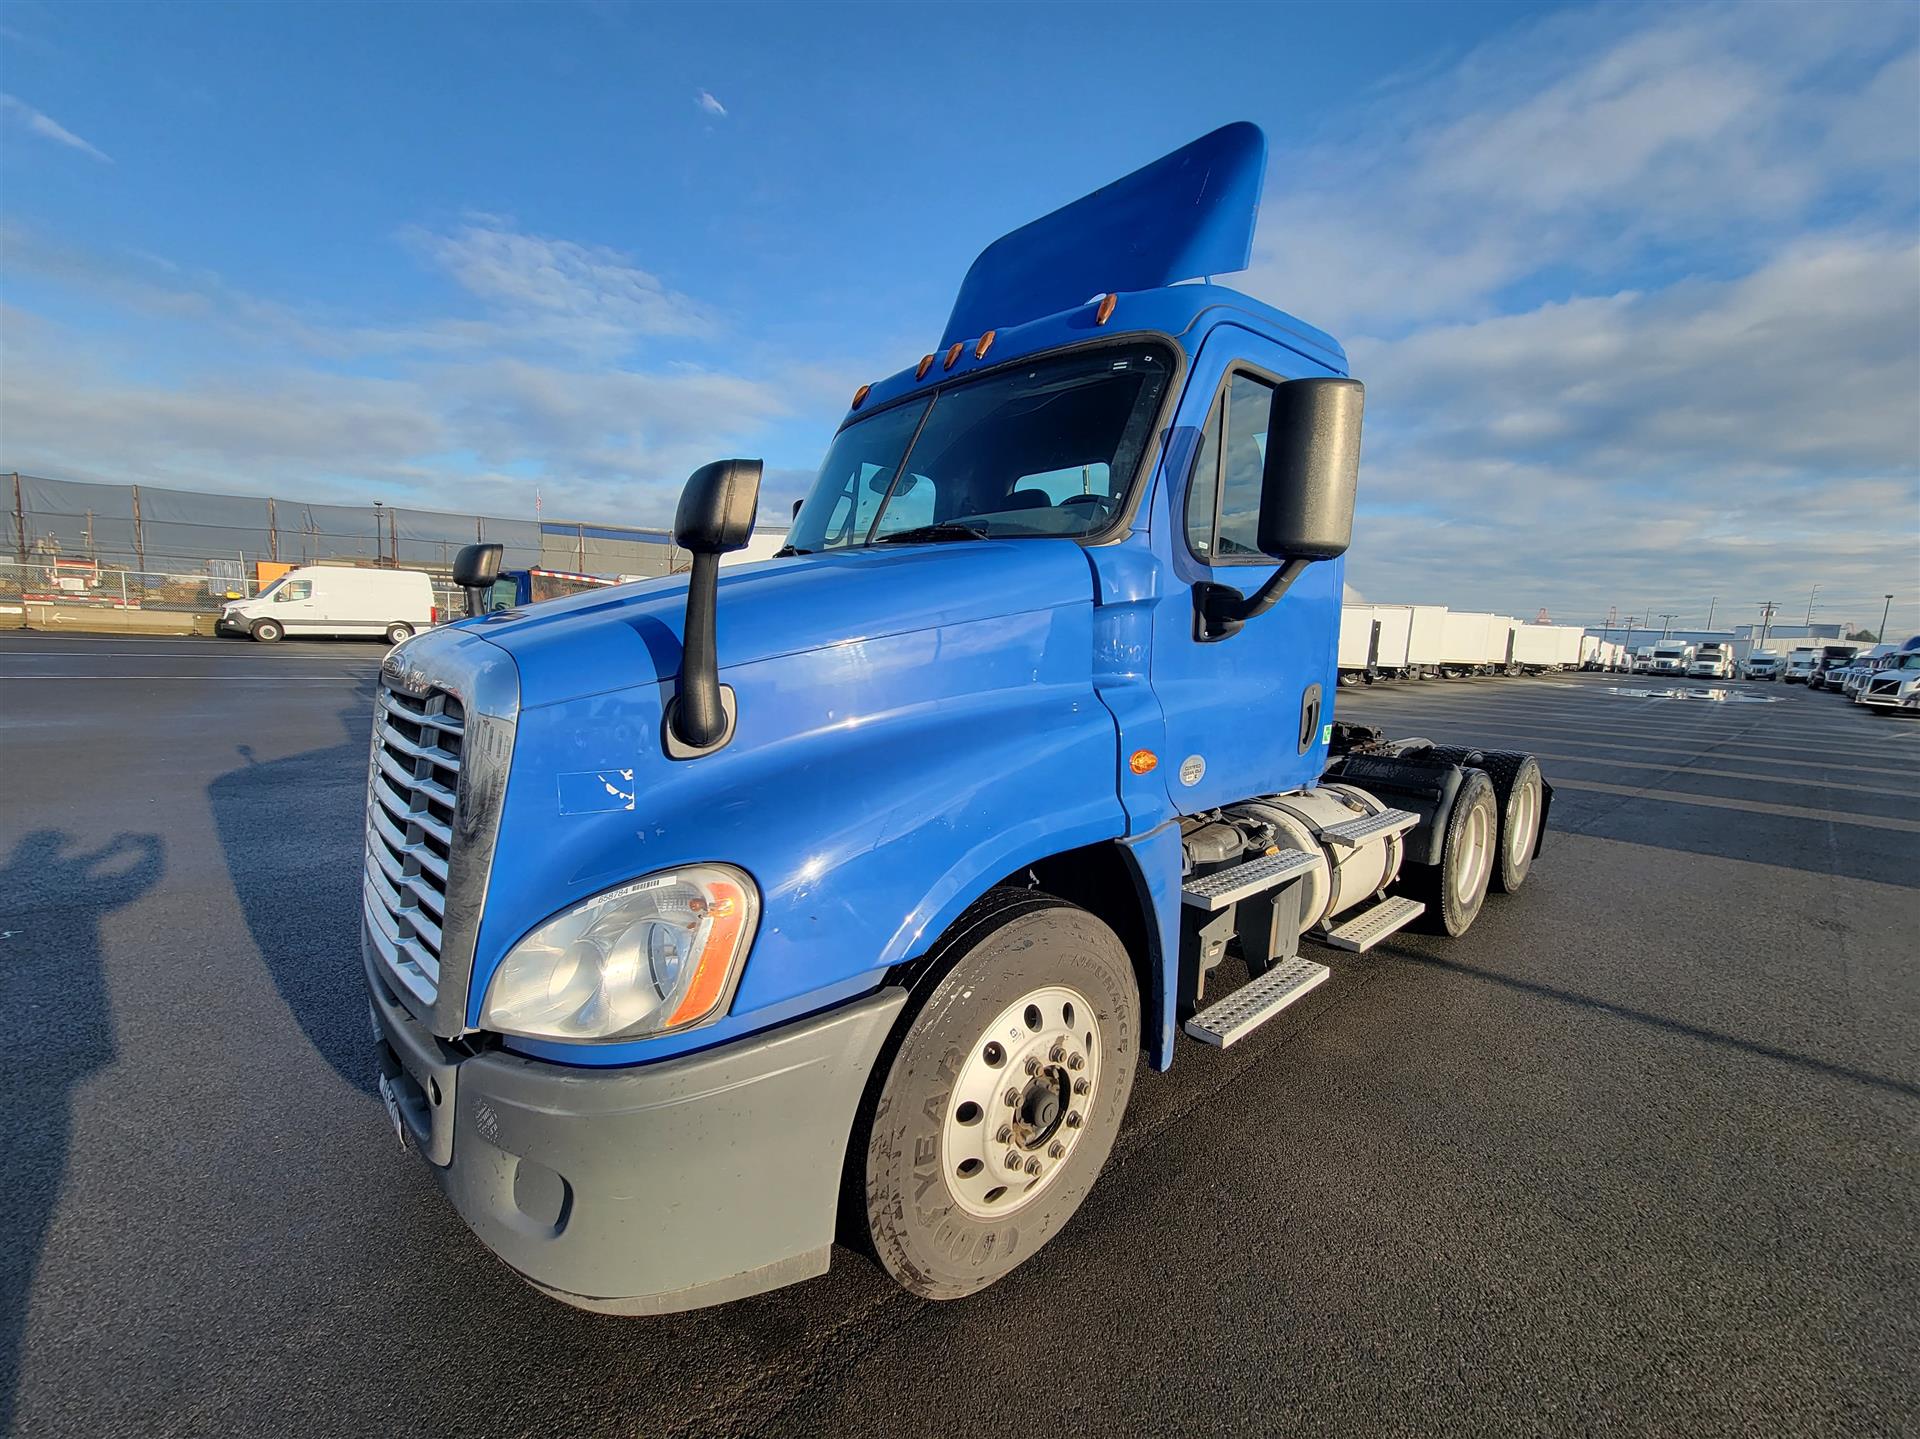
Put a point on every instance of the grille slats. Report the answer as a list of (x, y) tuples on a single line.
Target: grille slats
[(412, 790)]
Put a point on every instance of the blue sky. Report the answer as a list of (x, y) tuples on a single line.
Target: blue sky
[(1636, 291)]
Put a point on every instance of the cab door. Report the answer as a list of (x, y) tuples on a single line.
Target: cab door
[(1246, 714), (294, 605)]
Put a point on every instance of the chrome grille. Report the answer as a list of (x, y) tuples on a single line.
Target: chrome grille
[(413, 786)]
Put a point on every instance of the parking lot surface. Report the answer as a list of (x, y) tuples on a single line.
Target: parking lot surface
[(1638, 1154)]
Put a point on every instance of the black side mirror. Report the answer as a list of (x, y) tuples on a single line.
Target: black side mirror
[(1306, 496), (475, 569), (715, 516), (1312, 469)]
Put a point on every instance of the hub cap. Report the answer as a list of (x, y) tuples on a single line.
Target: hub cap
[(1021, 1102)]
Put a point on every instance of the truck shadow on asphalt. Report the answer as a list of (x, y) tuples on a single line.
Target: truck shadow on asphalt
[(53, 987), (291, 831)]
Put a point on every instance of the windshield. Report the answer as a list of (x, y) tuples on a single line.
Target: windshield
[(1041, 449), (1908, 661)]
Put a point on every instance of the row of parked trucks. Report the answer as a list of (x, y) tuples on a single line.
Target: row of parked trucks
[(1432, 642)]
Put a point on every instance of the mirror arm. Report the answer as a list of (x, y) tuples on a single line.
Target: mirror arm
[(1219, 610), (697, 718)]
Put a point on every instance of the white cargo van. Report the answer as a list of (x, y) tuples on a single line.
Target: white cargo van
[(335, 600)]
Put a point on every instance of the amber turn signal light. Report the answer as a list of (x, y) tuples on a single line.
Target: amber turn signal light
[(1143, 761)]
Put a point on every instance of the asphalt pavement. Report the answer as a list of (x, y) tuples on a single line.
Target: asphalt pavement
[(1637, 1155)]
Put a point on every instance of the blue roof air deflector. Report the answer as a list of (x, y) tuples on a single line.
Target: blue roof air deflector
[(1188, 214)]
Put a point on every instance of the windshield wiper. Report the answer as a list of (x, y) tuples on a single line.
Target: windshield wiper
[(788, 550), (930, 534)]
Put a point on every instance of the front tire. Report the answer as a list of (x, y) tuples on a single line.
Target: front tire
[(267, 631), (1003, 1095), (398, 633)]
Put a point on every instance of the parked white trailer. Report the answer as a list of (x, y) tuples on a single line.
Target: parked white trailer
[(1537, 648), (1356, 655), (1390, 646), (1426, 640), (1470, 643), (1572, 645)]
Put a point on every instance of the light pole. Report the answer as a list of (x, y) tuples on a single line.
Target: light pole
[(1885, 610), (1810, 594), (1712, 604)]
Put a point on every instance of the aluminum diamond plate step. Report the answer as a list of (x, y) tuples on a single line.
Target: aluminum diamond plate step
[(1369, 927), (1356, 832), (1227, 886), (1252, 1005)]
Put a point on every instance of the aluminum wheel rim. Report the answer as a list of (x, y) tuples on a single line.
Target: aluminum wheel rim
[(1476, 857), (1021, 1102), (1526, 806)]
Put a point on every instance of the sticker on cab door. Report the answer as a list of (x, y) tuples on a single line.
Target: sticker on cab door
[(1326, 734)]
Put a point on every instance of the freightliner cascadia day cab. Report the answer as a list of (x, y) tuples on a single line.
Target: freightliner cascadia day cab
[(706, 920)]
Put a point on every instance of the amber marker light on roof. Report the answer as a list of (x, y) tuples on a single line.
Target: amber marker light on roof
[(926, 363), (953, 354), (860, 395), (1105, 312), (986, 343)]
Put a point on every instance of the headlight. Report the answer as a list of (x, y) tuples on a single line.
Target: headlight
[(656, 955)]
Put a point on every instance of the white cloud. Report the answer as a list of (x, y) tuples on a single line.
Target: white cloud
[(49, 128), (708, 104), (585, 297)]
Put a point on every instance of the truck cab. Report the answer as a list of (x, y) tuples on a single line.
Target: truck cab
[(1711, 661), (1763, 665), (1670, 657), (710, 917)]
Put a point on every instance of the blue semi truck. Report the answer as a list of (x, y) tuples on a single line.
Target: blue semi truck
[(710, 922)]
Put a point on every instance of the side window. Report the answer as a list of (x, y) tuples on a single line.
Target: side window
[(296, 590), (1223, 498)]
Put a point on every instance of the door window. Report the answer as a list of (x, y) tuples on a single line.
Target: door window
[(294, 590), (1223, 496)]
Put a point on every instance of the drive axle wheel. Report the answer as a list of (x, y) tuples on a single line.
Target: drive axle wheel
[(1520, 793), (1003, 1096), (1456, 888)]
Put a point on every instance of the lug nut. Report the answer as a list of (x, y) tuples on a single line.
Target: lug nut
[(1056, 1150), (1005, 1134), (1013, 1160), (1057, 1053), (1074, 1061), (1033, 1166), (1012, 1096), (1073, 1119), (1033, 1065), (1082, 1085)]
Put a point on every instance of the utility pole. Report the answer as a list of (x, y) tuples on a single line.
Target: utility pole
[(1885, 610), (379, 543), (1667, 628), (1810, 594), (1712, 604), (1766, 621)]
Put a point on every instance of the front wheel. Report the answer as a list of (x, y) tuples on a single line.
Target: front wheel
[(267, 631), (398, 632), (1003, 1096)]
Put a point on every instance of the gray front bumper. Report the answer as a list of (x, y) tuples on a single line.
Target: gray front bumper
[(650, 1189)]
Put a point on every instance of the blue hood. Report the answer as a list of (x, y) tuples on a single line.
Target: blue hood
[(611, 639)]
